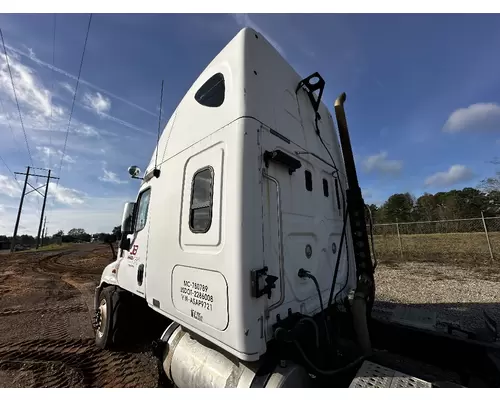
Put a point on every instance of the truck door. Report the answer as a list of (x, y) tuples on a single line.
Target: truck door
[(133, 278)]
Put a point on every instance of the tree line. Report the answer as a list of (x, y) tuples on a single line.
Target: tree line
[(453, 204), (75, 235)]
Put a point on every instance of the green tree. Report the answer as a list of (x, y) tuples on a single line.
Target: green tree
[(425, 208), (399, 207)]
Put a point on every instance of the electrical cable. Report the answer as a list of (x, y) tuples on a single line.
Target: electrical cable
[(52, 88), (306, 274), (327, 372), (14, 175), (344, 222), (316, 328), (74, 96), (15, 97), (346, 278), (51, 121), (10, 126), (337, 262)]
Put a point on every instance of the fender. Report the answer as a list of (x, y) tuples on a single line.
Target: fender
[(108, 278)]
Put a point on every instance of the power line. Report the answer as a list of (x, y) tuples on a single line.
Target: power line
[(10, 126), (6, 166), (52, 86), (15, 96), (49, 211), (74, 96)]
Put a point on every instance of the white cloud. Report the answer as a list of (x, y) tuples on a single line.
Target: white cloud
[(9, 187), (455, 174), (96, 214), (66, 86), (29, 89), (51, 157), (66, 196), (97, 102), (380, 163), (477, 118), (244, 20), (33, 58), (111, 177), (36, 101)]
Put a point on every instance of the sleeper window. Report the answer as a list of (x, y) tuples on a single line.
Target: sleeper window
[(142, 210), (200, 213), (325, 188), (212, 92), (309, 183)]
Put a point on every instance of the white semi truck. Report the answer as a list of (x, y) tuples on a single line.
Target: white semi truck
[(248, 238)]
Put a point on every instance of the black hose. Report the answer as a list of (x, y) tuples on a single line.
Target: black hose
[(342, 236), (327, 372), (306, 274), (314, 324), (337, 262)]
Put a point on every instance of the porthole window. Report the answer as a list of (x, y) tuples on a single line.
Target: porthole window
[(212, 92)]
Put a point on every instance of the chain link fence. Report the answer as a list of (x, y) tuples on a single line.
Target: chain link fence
[(475, 239)]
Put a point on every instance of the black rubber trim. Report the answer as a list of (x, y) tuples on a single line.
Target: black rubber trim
[(263, 374), (279, 135), (169, 331)]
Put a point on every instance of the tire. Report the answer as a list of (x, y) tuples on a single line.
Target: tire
[(104, 328), (117, 325)]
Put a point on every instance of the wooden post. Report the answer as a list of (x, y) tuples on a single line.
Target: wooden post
[(487, 236), (399, 239)]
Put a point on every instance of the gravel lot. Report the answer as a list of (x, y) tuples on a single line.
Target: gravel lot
[(457, 293)]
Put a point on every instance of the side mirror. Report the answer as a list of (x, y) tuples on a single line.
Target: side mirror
[(127, 218), (134, 172), (125, 243), (127, 225)]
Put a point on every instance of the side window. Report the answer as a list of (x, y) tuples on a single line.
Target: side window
[(200, 210), (325, 187), (142, 210), (309, 182), (213, 92)]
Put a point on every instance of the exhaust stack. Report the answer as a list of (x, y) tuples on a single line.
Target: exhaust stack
[(365, 289)]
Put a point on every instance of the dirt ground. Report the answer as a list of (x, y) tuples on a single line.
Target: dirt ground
[(46, 300), (46, 336)]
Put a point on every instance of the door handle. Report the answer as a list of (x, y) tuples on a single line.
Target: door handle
[(140, 274)]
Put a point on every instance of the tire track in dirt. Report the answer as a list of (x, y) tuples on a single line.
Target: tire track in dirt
[(74, 363), (57, 309), (61, 351)]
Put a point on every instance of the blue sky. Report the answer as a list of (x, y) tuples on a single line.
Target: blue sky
[(423, 98)]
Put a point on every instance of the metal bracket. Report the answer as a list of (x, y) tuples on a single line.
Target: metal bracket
[(313, 83), (270, 281), (281, 157)]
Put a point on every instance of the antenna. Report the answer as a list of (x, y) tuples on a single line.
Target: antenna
[(157, 172)]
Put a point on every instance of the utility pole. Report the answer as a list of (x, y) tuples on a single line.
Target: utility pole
[(13, 243), (43, 209), (44, 232), (24, 194)]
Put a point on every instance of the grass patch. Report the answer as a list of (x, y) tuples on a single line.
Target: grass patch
[(438, 247), (49, 247)]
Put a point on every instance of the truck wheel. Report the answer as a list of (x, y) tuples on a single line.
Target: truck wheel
[(104, 319)]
